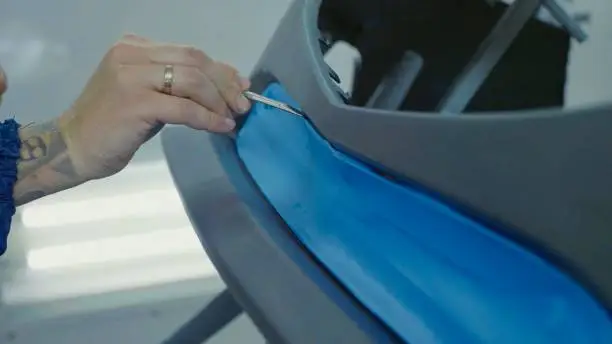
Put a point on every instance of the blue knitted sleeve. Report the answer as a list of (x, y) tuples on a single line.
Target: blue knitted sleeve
[(9, 155)]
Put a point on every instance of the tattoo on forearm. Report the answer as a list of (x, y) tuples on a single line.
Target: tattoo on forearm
[(44, 166), (39, 144)]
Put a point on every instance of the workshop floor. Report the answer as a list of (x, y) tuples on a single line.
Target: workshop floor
[(49, 49)]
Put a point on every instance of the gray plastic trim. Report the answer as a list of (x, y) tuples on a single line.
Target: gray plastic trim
[(542, 177)]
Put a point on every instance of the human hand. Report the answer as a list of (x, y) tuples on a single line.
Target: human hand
[(124, 103), (3, 83)]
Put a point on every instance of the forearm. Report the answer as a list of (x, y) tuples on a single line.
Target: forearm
[(44, 165)]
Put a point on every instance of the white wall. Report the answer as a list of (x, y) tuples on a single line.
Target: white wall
[(590, 68)]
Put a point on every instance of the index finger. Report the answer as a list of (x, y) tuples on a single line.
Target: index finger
[(226, 78), (230, 85)]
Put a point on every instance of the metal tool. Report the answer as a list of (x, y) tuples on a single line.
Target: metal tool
[(274, 103)]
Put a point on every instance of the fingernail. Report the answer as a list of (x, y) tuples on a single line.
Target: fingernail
[(229, 123), (245, 83), (243, 104)]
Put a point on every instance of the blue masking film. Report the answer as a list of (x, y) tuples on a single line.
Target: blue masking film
[(430, 273)]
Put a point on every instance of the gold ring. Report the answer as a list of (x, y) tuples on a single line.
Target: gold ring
[(168, 79)]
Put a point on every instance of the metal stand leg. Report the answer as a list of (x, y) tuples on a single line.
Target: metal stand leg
[(212, 319)]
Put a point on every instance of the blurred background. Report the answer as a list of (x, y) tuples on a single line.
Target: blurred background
[(87, 263)]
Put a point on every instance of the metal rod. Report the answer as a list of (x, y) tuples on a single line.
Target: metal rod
[(271, 102), (488, 55), (565, 20), (392, 90)]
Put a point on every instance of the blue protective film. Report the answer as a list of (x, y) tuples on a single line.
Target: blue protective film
[(431, 274)]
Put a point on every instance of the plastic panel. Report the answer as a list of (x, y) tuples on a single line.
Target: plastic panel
[(544, 175), (432, 274)]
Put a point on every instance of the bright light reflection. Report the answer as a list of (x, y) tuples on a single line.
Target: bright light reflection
[(116, 249), (147, 203)]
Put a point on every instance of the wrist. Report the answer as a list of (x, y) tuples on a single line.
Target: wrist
[(68, 130), (45, 164)]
